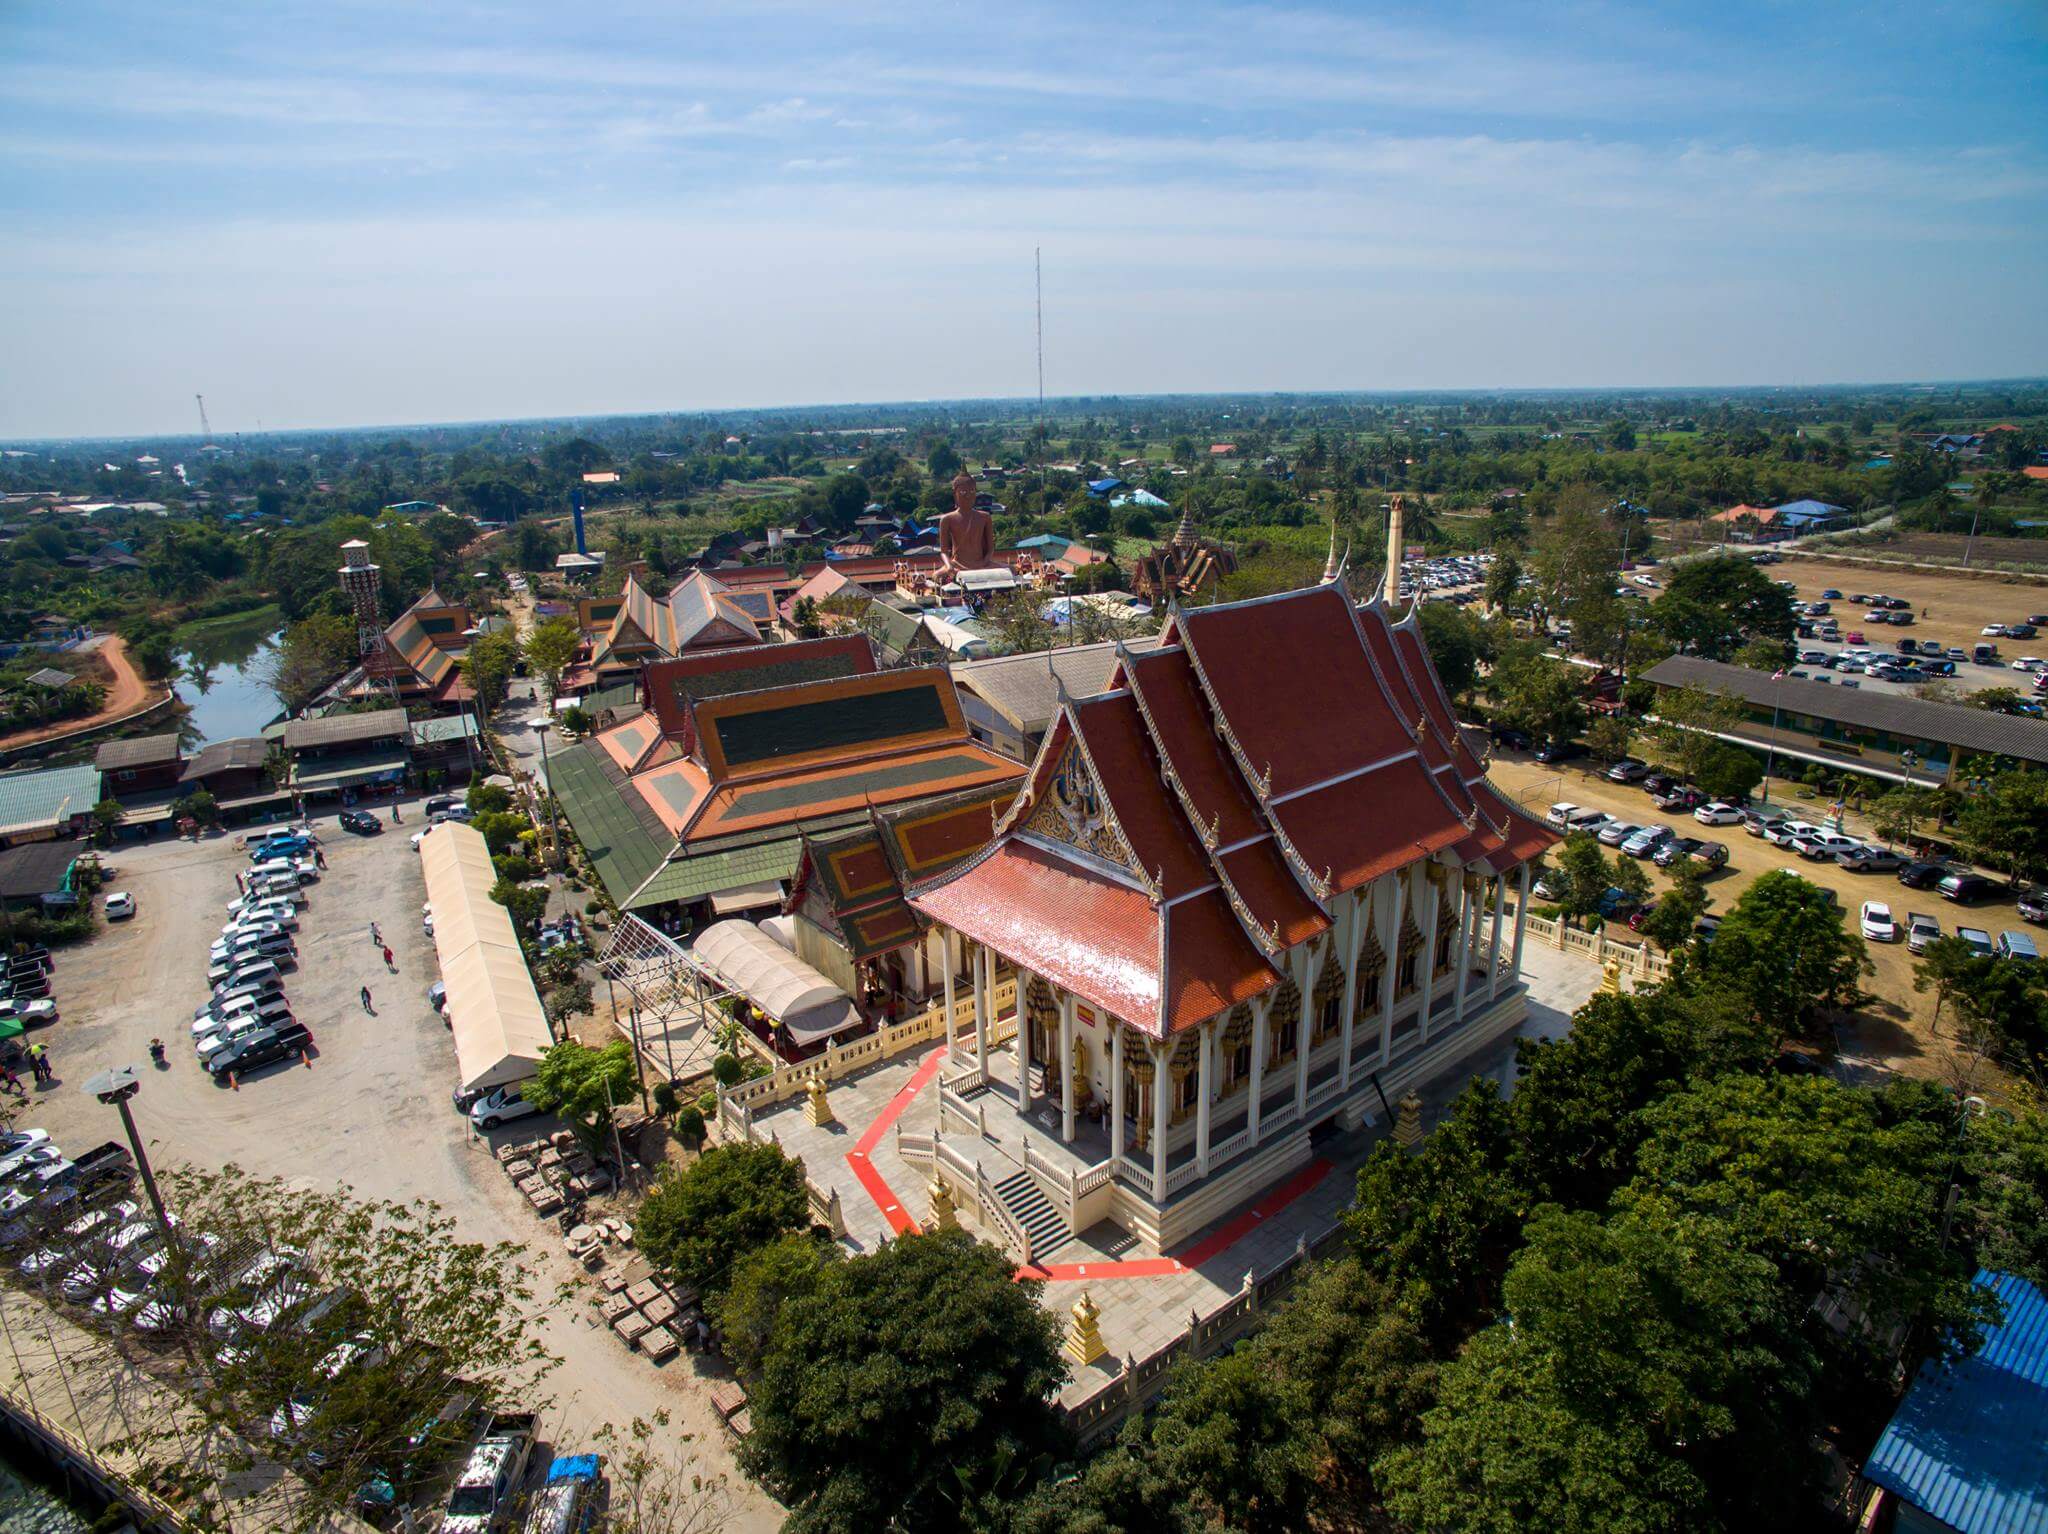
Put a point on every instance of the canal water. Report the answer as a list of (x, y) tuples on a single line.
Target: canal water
[(29, 1506), (222, 678)]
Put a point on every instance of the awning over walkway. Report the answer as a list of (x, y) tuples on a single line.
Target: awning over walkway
[(747, 897), (775, 980), (494, 1011), (331, 774)]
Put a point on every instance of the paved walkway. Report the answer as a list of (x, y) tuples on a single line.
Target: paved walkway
[(1144, 1301)]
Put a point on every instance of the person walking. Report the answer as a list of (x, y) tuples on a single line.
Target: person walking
[(376, 936), (11, 1082), (319, 860), (387, 960), (366, 1002)]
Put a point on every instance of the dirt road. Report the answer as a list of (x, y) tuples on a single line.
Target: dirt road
[(127, 693)]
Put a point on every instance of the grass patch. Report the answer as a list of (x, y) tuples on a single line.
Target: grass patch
[(268, 614)]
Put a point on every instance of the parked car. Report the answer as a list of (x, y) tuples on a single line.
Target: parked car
[(281, 849), (500, 1106), (1659, 783), (1646, 841), (120, 906), (264, 1046), (1922, 931), (361, 822), (1963, 888), (1785, 832), (1628, 770), (1553, 751), (2017, 945), (486, 1487), (1877, 924), (1718, 813), (1616, 902), (1675, 849), (1510, 737), (2033, 905), (1549, 885), (1615, 832), (1824, 846), (1759, 819), (1871, 860), (1679, 801), (1979, 941), (1924, 874)]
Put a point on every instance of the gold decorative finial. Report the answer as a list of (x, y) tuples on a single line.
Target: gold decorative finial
[(1084, 1334)]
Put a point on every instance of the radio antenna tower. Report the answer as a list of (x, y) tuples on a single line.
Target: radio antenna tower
[(206, 429), (1038, 288)]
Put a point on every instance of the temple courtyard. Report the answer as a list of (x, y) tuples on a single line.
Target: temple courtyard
[(1144, 1301)]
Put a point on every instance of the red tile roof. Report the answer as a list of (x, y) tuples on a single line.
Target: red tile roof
[(1349, 766)]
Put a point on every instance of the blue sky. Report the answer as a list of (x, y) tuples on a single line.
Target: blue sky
[(332, 214)]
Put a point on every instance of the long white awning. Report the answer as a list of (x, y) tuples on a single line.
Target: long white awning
[(797, 996), (493, 1010)]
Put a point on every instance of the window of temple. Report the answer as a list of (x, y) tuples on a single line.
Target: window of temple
[(1410, 947), (1236, 1049), (1329, 1003), (1372, 962), (1282, 1016), (1446, 932)]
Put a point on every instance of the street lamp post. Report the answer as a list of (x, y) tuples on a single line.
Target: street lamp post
[(114, 1088), (540, 728)]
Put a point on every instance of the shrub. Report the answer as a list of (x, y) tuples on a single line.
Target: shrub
[(593, 907), (707, 1104), (726, 1069), (690, 1127), (488, 799), (665, 1099)]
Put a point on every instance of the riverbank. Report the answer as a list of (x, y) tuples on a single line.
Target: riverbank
[(194, 633)]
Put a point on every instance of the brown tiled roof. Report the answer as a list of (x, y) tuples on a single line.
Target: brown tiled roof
[(344, 729)]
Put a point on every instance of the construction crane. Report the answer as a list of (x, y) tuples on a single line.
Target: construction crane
[(205, 429)]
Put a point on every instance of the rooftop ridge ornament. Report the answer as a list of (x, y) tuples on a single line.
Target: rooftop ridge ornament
[(1212, 832), (1266, 783)]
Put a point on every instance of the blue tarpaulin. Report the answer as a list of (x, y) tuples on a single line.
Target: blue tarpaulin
[(573, 1467), (1965, 1444)]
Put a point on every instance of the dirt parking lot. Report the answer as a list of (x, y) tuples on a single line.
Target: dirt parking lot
[(1898, 1029), (1950, 608), (370, 1108)]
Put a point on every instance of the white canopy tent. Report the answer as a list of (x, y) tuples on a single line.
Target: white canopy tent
[(493, 1009), (797, 996)]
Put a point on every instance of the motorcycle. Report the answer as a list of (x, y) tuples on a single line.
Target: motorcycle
[(156, 1051)]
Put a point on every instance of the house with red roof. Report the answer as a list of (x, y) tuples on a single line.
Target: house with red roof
[(1237, 913)]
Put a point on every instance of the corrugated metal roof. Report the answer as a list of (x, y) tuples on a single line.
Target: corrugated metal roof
[(137, 751), (1023, 689), (342, 729), (1973, 729), (695, 877), (1965, 1446), (47, 795)]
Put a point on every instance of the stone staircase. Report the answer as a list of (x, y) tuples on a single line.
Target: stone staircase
[(1036, 1213)]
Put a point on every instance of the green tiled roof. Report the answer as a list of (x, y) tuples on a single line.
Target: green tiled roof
[(710, 872), (625, 841), (623, 696), (763, 735)]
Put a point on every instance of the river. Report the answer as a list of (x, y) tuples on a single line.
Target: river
[(29, 1506), (222, 678)]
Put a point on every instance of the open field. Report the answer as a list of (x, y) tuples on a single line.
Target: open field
[(1897, 1029), (1950, 608), (1987, 553)]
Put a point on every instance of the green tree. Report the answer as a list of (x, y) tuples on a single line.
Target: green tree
[(550, 650), (1670, 922), (2003, 1005), (1998, 700), (2004, 824), (932, 1330), (1504, 579), (1609, 736), (1018, 624), (2005, 1215), (1783, 949), (1729, 773), (500, 828), (488, 666), (1689, 720), (762, 1281), (1771, 655), (1457, 642), (313, 653), (698, 1223), (1532, 691), (1899, 813), (583, 1085), (1715, 607), (1586, 873)]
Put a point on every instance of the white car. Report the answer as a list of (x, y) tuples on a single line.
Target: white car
[(120, 906), (1877, 922), (1717, 814), (227, 1036), (269, 913)]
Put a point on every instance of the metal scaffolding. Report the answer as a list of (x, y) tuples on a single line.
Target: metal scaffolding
[(672, 1002)]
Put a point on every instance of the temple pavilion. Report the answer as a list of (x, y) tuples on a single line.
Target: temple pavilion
[(1251, 890)]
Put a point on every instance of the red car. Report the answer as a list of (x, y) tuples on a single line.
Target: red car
[(1854, 636)]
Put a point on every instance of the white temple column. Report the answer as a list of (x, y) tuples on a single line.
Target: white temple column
[(1429, 894), (1521, 920), (1357, 917), (1116, 1090), (1204, 1085), (1461, 949), (1390, 977), (947, 943), (1500, 900), (1023, 1043), (1251, 1122), (983, 1021), (1310, 970), (1067, 1067), (1162, 1089)]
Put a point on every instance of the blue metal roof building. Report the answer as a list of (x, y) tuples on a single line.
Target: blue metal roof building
[(1968, 1448)]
